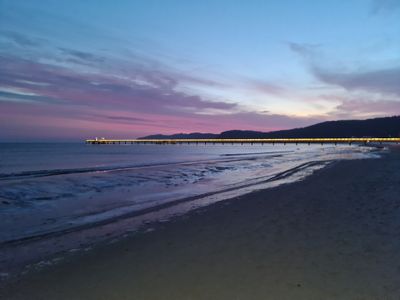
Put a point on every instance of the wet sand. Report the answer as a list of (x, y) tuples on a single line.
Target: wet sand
[(334, 235)]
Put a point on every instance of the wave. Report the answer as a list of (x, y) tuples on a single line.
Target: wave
[(255, 154), (104, 218), (56, 172)]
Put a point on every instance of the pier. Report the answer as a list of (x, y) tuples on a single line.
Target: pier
[(296, 141)]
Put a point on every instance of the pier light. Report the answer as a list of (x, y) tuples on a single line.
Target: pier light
[(296, 141)]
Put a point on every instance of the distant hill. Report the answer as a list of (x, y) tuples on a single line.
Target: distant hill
[(194, 135), (378, 127)]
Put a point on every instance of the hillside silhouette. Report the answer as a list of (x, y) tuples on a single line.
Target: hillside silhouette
[(377, 127)]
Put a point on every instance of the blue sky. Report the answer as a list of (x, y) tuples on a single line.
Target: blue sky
[(130, 68)]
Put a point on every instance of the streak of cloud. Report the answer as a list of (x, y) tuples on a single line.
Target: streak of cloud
[(385, 81), (384, 6)]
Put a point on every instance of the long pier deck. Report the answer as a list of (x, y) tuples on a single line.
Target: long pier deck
[(246, 141)]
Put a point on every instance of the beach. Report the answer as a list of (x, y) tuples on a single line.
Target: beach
[(333, 235)]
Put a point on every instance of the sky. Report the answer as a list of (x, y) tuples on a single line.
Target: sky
[(71, 70)]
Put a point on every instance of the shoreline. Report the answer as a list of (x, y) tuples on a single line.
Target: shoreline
[(279, 176), (36, 248), (241, 247)]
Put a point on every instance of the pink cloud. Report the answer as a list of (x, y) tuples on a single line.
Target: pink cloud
[(58, 102)]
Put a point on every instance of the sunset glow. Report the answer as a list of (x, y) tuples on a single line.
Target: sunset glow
[(132, 68)]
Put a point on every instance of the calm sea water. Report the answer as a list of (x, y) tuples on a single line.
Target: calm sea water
[(52, 190)]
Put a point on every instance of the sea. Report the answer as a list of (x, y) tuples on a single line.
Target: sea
[(58, 198)]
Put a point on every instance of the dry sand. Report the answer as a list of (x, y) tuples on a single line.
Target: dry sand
[(335, 235)]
